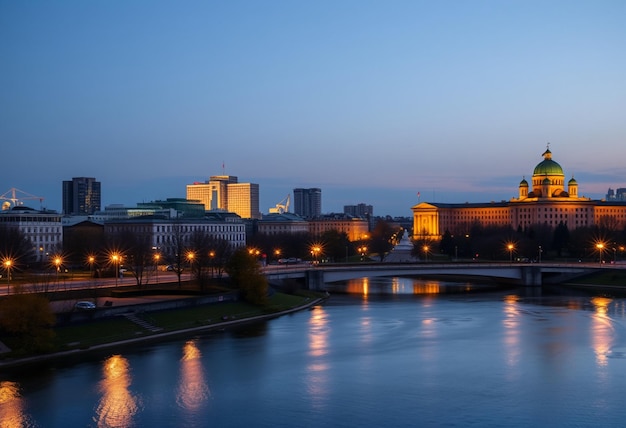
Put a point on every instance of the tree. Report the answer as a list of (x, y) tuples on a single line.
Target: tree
[(137, 251), (27, 318), (380, 241), (336, 244), (14, 245), (245, 273)]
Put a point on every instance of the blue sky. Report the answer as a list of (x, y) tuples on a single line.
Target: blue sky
[(372, 101)]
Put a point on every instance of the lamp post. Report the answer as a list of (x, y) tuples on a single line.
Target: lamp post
[(540, 251), (57, 264), (190, 258), (116, 259), (157, 257), (426, 253), (7, 264), (600, 247), (510, 247), (91, 260), (212, 256)]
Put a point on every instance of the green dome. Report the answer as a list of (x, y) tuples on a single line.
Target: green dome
[(548, 166), (572, 181), (523, 183)]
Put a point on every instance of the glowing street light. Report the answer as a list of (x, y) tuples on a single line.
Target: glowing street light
[(362, 250), (315, 252), (115, 258), (157, 257), (7, 265), (190, 258), (91, 260), (600, 247), (57, 263), (511, 247), (425, 252)]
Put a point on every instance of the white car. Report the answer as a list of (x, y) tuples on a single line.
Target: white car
[(84, 306)]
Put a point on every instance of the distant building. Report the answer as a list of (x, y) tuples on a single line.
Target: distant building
[(356, 228), (282, 223), (550, 201), (307, 203), (81, 196), (619, 195), (360, 210), (43, 229), (183, 207), (225, 193), (161, 233)]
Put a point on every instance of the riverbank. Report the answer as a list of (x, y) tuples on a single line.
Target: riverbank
[(160, 326)]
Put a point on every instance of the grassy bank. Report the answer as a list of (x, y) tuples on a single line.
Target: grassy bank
[(86, 335)]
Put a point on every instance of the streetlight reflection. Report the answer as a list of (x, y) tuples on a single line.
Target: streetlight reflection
[(117, 406)]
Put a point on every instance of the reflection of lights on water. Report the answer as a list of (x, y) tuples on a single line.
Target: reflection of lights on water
[(193, 390), (512, 332), (317, 369), (11, 406), (318, 344), (601, 329), (117, 405)]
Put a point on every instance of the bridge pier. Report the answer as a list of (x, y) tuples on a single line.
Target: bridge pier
[(314, 279), (531, 276)]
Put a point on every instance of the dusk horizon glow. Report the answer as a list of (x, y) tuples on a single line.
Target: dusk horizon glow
[(372, 102)]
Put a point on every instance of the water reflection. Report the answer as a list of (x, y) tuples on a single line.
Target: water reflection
[(117, 406), (398, 285), (193, 390), (601, 329), (12, 413), (512, 331), (317, 367)]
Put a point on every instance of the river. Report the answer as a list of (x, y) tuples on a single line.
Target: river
[(391, 352)]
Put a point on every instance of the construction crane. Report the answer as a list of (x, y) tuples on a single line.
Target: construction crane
[(282, 206), (11, 198)]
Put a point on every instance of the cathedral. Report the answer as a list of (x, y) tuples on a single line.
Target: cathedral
[(548, 200)]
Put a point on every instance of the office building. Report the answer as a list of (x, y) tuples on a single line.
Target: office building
[(243, 199), (81, 196), (307, 203), (360, 210), (225, 193)]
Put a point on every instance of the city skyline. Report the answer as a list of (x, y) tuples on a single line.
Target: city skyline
[(371, 102)]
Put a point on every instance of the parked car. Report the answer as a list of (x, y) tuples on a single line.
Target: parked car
[(84, 306)]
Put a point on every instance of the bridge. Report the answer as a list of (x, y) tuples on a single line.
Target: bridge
[(526, 274)]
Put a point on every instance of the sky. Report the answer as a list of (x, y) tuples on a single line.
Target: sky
[(371, 101)]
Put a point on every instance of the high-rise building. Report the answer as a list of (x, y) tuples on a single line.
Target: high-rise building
[(307, 202), (243, 199), (81, 196), (224, 192), (360, 210), (213, 193)]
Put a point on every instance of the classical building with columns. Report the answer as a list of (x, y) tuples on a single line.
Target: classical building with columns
[(549, 200)]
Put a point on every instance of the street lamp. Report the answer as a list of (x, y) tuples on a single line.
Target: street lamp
[(91, 260), (57, 263), (425, 252), (212, 256), (362, 250), (510, 247), (190, 258), (315, 251), (7, 264), (600, 247), (116, 259), (157, 257)]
